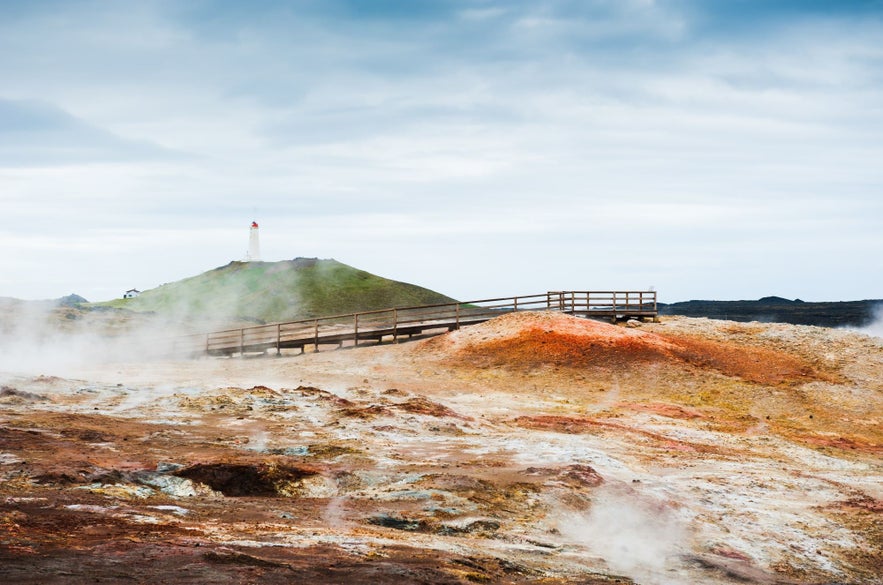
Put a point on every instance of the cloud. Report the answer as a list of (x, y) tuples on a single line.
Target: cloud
[(489, 126), (36, 133)]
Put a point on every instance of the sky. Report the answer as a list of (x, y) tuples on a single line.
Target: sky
[(481, 148)]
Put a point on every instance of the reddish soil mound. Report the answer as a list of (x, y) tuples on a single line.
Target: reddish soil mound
[(754, 364), (535, 339), (366, 412), (530, 340), (422, 405), (416, 405)]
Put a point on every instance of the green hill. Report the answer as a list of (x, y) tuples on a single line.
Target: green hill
[(266, 292)]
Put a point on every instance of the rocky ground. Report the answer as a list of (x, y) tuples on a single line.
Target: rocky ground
[(535, 448)]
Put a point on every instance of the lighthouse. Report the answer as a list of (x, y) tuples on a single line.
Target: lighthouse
[(254, 245)]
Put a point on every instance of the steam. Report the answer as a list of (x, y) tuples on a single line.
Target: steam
[(636, 537), (876, 326), (50, 337), (44, 338), (335, 514), (257, 440)]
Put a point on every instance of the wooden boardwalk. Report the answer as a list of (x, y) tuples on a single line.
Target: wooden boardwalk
[(394, 323)]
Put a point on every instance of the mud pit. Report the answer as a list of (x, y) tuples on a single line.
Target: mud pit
[(530, 449)]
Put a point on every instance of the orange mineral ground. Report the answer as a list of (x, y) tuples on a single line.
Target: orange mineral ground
[(534, 448)]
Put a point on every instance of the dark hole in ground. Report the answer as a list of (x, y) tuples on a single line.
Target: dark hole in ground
[(388, 521), (87, 435), (244, 479)]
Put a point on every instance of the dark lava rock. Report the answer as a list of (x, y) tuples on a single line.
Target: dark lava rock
[(8, 391)]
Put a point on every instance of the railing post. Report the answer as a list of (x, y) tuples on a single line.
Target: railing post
[(458, 316), (395, 325), (515, 304), (356, 329), (316, 335), (572, 302), (242, 343), (278, 338)]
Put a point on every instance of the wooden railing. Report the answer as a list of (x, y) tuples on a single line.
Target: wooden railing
[(409, 321), (605, 303)]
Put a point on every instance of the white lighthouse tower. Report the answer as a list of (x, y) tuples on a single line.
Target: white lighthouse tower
[(254, 244)]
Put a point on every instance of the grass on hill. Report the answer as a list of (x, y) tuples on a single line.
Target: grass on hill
[(277, 291)]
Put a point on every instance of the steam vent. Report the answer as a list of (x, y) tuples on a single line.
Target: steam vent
[(254, 244)]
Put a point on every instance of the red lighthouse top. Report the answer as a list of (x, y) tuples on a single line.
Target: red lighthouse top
[(254, 224)]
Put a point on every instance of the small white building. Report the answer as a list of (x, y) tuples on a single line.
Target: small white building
[(131, 293)]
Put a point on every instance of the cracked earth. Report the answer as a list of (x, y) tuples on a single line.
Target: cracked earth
[(535, 448)]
